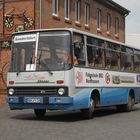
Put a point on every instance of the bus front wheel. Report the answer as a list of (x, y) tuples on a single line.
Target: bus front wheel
[(40, 113), (88, 113)]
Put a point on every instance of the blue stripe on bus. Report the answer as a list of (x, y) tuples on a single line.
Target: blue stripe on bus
[(113, 96), (108, 97)]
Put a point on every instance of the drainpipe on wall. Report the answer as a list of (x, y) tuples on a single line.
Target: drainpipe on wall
[(40, 16)]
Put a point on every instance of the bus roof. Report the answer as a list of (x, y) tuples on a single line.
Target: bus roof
[(78, 31)]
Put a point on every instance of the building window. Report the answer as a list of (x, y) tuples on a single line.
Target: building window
[(55, 7), (67, 9), (99, 19), (78, 10), (116, 26), (108, 22), (87, 14)]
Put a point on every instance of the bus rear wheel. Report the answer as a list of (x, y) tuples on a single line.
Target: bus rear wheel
[(40, 113), (127, 107), (88, 113)]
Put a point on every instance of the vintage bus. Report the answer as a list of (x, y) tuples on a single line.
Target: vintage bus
[(68, 69)]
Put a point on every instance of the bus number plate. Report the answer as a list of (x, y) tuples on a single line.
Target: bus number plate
[(33, 100)]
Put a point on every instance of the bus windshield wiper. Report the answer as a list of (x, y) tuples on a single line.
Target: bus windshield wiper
[(48, 70), (18, 73)]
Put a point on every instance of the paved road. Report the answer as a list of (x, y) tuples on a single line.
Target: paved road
[(106, 125)]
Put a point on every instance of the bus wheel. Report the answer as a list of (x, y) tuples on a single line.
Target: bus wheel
[(88, 113), (40, 113), (129, 106)]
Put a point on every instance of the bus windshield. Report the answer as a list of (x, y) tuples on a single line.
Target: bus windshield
[(43, 51), (54, 51)]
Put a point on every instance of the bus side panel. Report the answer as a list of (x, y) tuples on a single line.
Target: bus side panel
[(82, 98), (114, 96)]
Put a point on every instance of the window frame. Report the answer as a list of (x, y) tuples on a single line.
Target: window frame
[(108, 23), (77, 11), (78, 40), (96, 45), (55, 7), (99, 15), (87, 14), (114, 50), (67, 9)]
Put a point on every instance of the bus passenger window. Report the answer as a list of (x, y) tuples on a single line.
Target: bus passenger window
[(112, 56), (115, 60), (79, 49), (137, 60), (79, 54), (95, 56), (107, 59), (95, 52), (127, 58), (126, 62), (90, 56), (98, 61)]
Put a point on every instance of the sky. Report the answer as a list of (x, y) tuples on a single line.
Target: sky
[(132, 21)]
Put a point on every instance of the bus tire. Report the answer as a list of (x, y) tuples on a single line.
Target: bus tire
[(88, 113), (127, 107), (40, 113)]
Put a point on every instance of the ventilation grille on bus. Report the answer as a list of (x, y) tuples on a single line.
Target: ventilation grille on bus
[(35, 91), (38, 90)]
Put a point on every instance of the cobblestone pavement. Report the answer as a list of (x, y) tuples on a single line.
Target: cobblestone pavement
[(106, 125)]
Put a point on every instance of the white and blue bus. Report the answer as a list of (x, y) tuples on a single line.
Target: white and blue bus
[(68, 69)]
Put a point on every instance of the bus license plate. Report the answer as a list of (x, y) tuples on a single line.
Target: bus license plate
[(34, 100)]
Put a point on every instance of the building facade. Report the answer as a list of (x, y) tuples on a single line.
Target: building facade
[(101, 17), (15, 15)]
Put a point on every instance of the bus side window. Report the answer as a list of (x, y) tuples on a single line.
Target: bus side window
[(107, 59), (99, 58), (95, 52), (79, 49), (126, 59), (79, 53), (137, 60), (90, 55), (112, 56)]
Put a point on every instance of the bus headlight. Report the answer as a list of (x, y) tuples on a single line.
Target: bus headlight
[(61, 91), (11, 91)]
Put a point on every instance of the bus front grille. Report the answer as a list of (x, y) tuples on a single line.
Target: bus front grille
[(35, 91), (38, 91)]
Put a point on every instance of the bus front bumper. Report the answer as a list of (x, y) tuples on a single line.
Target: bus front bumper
[(27, 102)]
